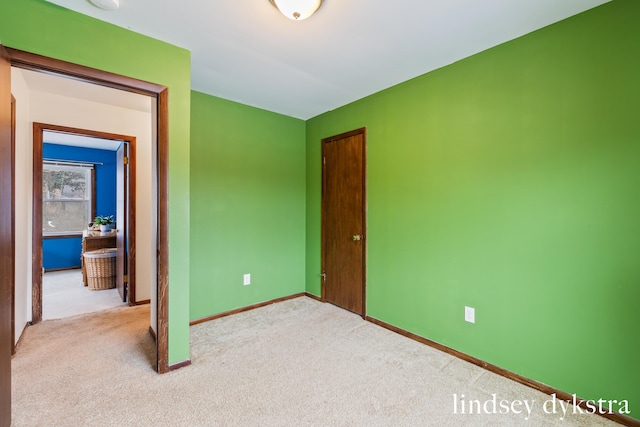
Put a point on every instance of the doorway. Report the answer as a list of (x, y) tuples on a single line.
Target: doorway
[(159, 93), (121, 205), (344, 220)]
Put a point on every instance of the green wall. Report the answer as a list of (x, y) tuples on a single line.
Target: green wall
[(507, 181), (247, 205), (43, 28), (510, 182)]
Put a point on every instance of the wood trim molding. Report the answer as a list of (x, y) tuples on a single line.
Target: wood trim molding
[(162, 327), (131, 222), (36, 226), (323, 221), (247, 308), (179, 365), (312, 296), (619, 418), (362, 130), (143, 302), (365, 229), (78, 131), (35, 62), (6, 248)]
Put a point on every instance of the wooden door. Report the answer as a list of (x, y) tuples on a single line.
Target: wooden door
[(121, 218), (343, 220), (6, 248)]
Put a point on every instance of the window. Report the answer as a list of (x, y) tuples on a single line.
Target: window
[(67, 198)]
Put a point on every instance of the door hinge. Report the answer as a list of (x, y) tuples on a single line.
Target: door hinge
[(126, 278), (324, 160), (126, 160), (324, 276)]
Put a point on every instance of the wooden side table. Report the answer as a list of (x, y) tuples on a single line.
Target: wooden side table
[(92, 240)]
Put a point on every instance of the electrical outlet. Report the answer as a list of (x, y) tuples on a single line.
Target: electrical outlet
[(247, 279), (470, 314)]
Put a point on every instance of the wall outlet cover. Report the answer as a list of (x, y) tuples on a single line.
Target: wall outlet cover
[(470, 314), (247, 279)]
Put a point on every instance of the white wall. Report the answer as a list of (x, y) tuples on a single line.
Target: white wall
[(49, 108), (24, 179)]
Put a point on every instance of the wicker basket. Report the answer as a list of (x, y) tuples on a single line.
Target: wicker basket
[(101, 268)]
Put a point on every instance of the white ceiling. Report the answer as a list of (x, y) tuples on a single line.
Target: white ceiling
[(245, 51), (61, 138)]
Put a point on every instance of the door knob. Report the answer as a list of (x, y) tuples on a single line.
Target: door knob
[(356, 237)]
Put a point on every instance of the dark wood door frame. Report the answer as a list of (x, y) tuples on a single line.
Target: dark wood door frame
[(363, 132), (38, 131), (7, 253), (125, 165), (34, 62)]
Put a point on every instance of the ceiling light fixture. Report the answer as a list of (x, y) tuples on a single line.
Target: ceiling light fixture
[(297, 10), (106, 4)]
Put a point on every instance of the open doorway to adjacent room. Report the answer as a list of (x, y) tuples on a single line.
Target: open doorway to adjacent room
[(84, 175), (49, 106)]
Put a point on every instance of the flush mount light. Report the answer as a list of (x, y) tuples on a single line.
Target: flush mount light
[(296, 10), (106, 4)]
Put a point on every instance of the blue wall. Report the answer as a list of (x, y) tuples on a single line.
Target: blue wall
[(65, 252), (61, 253)]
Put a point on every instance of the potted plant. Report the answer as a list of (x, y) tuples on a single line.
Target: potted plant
[(103, 222)]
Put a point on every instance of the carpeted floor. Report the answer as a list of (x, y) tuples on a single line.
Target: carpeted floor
[(64, 295), (295, 363)]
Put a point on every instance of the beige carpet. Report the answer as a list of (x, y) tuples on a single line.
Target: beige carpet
[(295, 363), (64, 295)]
